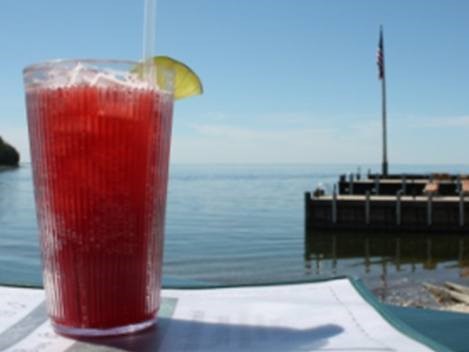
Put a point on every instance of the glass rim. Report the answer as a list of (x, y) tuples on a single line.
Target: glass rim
[(44, 65)]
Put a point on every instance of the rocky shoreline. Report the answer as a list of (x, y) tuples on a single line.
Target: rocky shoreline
[(9, 156), (450, 296), (445, 296)]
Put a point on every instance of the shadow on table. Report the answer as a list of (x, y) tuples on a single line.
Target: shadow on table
[(182, 335)]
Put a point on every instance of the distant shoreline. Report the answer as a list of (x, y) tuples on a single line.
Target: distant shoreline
[(351, 167), (6, 167)]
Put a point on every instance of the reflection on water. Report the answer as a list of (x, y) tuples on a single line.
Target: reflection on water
[(397, 250), (396, 258)]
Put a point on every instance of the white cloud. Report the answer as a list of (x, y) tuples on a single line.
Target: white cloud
[(221, 143), (452, 121), (234, 132), (438, 122)]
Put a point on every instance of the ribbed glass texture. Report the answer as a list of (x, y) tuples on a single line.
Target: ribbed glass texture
[(100, 155)]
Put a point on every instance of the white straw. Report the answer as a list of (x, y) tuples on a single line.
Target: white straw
[(149, 29)]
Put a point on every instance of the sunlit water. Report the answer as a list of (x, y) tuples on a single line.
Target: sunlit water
[(245, 224)]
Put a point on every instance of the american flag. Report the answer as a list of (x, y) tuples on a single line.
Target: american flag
[(380, 56)]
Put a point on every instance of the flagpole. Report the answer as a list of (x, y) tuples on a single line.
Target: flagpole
[(385, 139), (384, 166)]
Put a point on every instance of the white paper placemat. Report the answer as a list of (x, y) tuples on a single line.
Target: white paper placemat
[(323, 316)]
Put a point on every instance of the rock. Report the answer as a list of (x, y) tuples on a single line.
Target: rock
[(8, 155), (451, 296)]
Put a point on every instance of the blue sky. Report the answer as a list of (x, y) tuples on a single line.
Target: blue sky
[(285, 80)]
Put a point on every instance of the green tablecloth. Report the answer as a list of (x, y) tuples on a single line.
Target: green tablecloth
[(443, 331), (447, 328)]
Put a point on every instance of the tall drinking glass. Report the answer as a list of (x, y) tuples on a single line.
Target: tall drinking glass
[(100, 141)]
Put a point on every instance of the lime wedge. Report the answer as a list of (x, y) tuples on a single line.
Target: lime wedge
[(186, 82)]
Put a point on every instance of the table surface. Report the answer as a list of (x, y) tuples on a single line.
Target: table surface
[(339, 315)]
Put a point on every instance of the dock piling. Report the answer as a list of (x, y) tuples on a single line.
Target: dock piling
[(461, 208), (429, 209), (398, 208), (458, 184), (376, 185), (334, 205), (350, 188), (404, 184), (308, 217), (367, 208)]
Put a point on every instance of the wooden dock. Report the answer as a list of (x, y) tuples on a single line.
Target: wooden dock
[(392, 186), (405, 184), (391, 204)]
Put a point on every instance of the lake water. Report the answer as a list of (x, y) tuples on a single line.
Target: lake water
[(244, 224)]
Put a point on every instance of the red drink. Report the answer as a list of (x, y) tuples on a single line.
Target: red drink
[(100, 158)]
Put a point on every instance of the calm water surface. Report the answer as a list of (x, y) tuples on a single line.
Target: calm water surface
[(245, 224)]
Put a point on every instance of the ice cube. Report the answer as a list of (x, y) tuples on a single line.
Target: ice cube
[(70, 74), (81, 74), (108, 79)]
